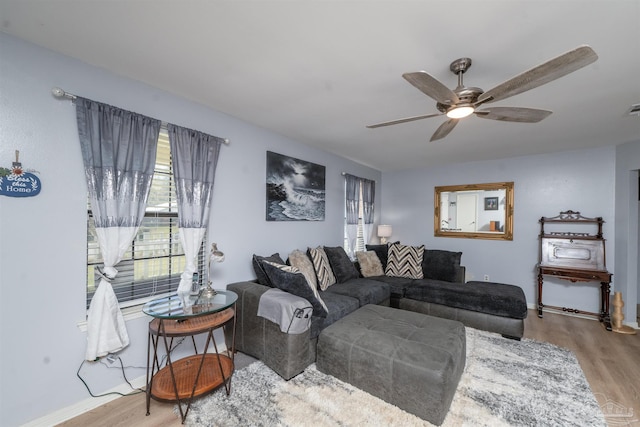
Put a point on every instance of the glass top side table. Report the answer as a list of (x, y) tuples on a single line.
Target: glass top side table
[(192, 376), (176, 307)]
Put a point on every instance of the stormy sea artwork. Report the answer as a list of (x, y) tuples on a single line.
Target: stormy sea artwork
[(295, 189)]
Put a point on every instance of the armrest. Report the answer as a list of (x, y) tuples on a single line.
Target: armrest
[(286, 354)]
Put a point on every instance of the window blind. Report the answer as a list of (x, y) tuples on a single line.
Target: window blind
[(155, 260)]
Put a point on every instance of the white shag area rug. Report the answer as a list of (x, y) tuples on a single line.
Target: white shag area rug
[(505, 383)]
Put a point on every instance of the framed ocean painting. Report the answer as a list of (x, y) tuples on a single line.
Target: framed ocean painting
[(295, 189)]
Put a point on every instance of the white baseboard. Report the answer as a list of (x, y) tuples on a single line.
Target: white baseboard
[(79, 408), (86, 405), (634, 325)]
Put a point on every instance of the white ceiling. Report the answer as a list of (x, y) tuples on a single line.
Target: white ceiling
[(320, 71)]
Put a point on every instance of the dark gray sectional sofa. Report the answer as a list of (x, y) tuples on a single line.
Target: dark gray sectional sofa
[(476, 306), (290, 354)]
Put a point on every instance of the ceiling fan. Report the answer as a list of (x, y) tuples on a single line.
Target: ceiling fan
[(464, 101)]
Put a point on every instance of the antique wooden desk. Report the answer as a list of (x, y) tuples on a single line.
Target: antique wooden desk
[(576, 256)]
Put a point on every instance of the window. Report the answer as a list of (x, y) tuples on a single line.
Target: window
[(155, 260), (360, 239), (360, 243)]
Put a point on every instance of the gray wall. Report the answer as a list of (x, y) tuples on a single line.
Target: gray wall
[(43, 238), (544, 185), (627, 239)]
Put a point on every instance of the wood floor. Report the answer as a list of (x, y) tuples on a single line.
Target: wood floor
[(610, 361)]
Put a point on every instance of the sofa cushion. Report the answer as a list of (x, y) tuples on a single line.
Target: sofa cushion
[(498, 299), (342, 266), (370, 265), (397, 285), (302, 262), (291, 280), (405, 261), (441, 265), (259, 270), (338, 306), (322, 267), (366, 291), (382, 251)]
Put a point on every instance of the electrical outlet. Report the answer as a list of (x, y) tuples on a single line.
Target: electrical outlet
[(486, 277)]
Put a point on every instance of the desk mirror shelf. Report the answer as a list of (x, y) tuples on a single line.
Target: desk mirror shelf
[(576, 256)]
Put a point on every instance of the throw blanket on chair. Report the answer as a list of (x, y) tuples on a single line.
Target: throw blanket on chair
[(290, 312)]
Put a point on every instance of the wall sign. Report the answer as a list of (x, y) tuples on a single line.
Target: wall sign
[(18, 182)]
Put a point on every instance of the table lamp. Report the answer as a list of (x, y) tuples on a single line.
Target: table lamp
[(384, 231), (216, 255)]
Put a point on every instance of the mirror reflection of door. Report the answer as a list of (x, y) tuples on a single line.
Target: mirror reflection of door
[(467, 214), (445, 218), (467, 211)]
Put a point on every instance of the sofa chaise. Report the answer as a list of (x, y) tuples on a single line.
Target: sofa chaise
[(442, 292)]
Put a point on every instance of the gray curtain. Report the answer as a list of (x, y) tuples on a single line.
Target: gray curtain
[(368, 199), (352, 198), (195, 158), (119, 153)]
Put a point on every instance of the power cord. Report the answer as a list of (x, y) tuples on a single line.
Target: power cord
[(138, 390), (112, 358)]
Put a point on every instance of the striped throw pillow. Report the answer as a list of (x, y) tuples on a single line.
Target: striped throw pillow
[(405, 261), (321, 264)]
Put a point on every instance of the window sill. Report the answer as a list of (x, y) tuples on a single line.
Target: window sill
[(129, 313)]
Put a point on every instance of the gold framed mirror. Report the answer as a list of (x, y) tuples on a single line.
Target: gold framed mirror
[(474, 211)]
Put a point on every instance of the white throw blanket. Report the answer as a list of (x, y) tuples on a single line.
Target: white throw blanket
[(290, 312)]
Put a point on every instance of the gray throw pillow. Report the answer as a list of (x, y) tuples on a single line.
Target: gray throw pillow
[(382, 251), (405, 261), (322, 267), (343, 268), (441, 265), (370, 265), (259, 270), (291, 280)]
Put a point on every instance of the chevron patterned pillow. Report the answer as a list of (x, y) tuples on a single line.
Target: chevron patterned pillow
[(321, 264), (405, 261)]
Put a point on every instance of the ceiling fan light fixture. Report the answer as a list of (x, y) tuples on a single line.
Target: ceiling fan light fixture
[(460, 112), (462, 101)]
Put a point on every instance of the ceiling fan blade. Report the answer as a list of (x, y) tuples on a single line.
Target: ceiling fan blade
[(444, 129), (513, 114), (430, 86), (549, 71), (406, 119)]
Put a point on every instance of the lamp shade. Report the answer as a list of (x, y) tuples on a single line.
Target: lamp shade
[(384, 231)]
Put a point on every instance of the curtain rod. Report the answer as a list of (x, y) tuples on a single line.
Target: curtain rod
[(345, 173), (61, 94)]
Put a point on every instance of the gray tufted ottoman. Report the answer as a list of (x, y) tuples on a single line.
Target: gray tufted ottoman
[(408, 359)]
